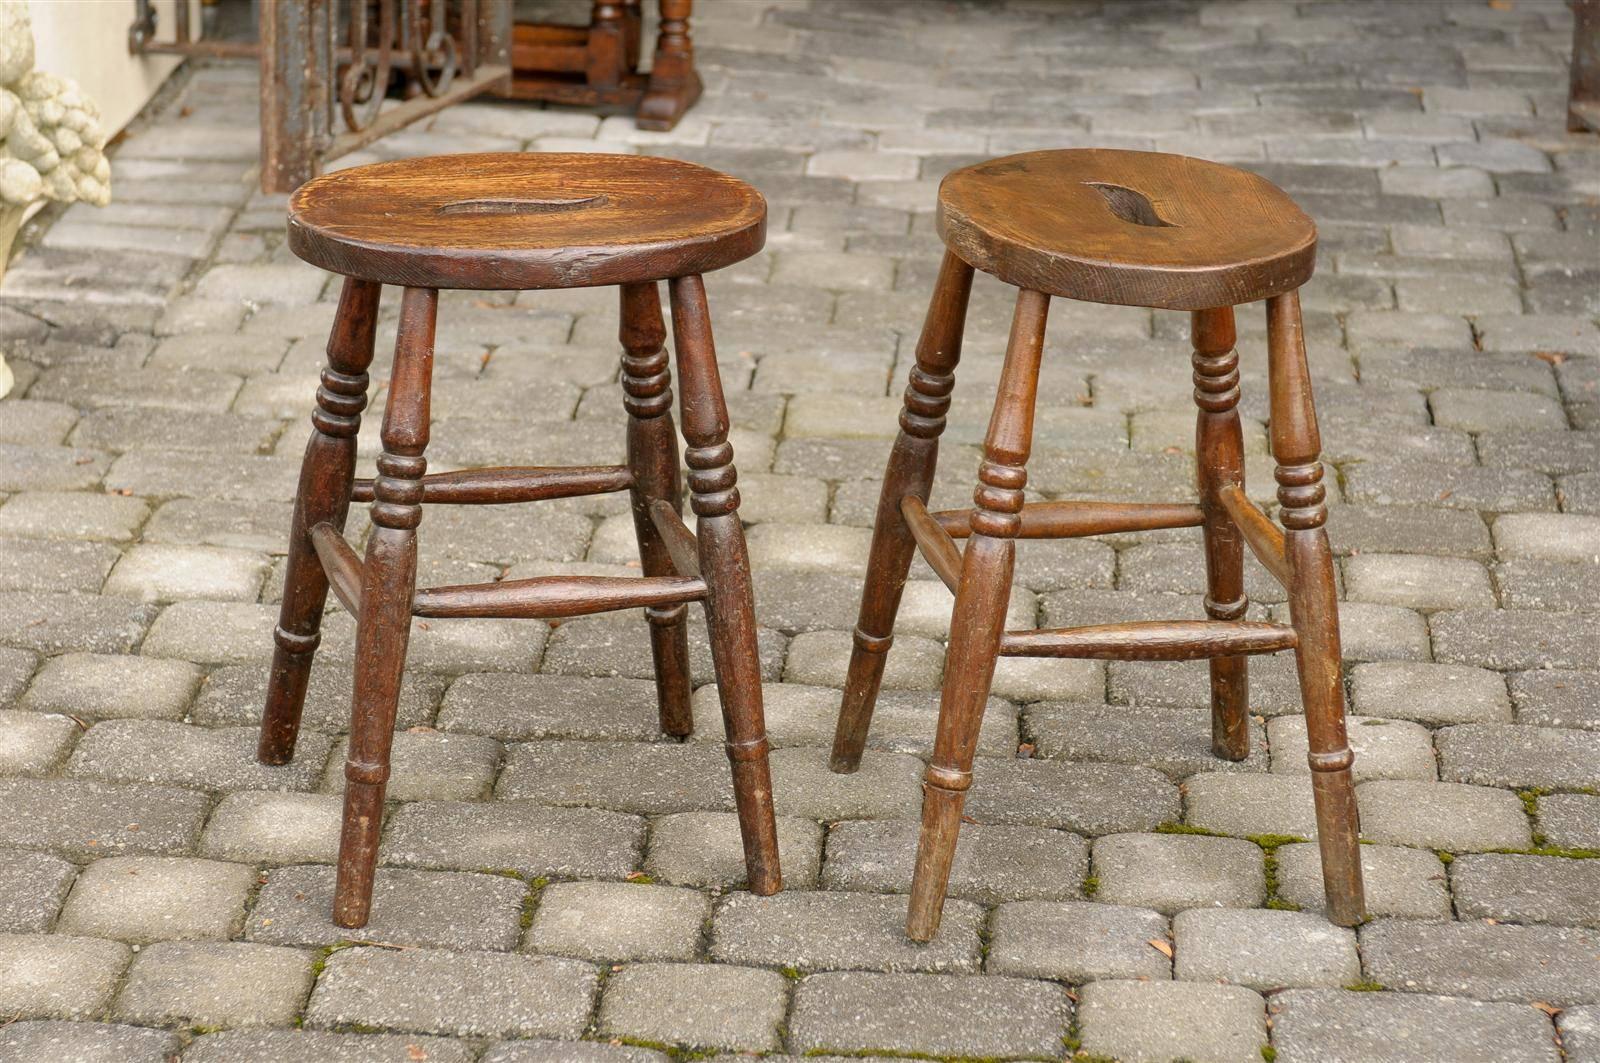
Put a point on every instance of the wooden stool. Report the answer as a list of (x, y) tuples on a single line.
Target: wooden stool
[(520, 221), (1139, 229)]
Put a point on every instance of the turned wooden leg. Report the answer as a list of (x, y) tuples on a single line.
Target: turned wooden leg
[(910, 472), (980, 612), (725, 566), (674, 83), (653, 457), (1219, 454), (326, 473), (1313, 607), (383, 627)]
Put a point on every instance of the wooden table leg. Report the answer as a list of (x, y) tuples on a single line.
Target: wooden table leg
[(980, 612), (674, 83), (910, 472), (1314, 608), (1219, 457), (323, 497), (725, 565), (653, 457), (383, 628)]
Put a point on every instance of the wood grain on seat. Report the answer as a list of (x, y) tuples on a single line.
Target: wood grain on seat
[(1136, 228), (510, 220)]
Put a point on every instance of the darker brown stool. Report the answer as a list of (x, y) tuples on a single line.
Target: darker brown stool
[(1138, 229), (515, 221)]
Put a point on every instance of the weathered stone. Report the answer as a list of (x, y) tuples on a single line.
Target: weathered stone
[(1519, 756), (828, 931), (1247, 804), (256, 827), (992, 863), (619, 921), (158, 898), (34, 743), (704, 849), (1384, 749), (532, 840), (857, 1013), (1171, 872), (428, 765), (230, 983), (1166, 1020), (524, 707), (1085, 798), (1429, 693), (57, 976), (464, 994), (1520, 963), (102, 687), (624, 776), (1077, 942), (161, 751), (86, 820), (1527, 889), (1263, 949), (32, 886), (738, 1009), (1334, 1026), (85, 1042), (235, 695), (1452, 816), (1570, 820), (273, 1046), (1173, 740), (1400, 882)]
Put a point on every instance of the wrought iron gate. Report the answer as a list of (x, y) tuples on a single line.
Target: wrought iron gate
[(327, 67)]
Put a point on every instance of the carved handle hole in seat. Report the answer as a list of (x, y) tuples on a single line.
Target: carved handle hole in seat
[(520, 206), (1130, 206)]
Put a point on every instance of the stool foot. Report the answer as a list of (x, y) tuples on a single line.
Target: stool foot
[(725, 567), (653, 457), (323, 496), (1314, 608), (980, 613), (910, 472), (383, 627)]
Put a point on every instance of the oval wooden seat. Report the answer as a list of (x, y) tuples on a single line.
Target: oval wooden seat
[(509, 220), (1131, 227)]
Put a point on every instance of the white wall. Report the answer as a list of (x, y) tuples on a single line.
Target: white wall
[(87, 40)]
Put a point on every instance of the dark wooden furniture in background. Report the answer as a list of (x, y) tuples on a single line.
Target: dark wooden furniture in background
[(319, 72), (1140, 229), (598, 64), (520, 221), (1583, 96)]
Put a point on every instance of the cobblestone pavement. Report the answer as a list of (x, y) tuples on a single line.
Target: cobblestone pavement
[(553, 870)]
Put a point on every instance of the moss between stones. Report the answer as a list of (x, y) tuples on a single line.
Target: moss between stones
[(1184, 828), (1091, 886), (530, 903), (1269, 1053), (1366, 987)]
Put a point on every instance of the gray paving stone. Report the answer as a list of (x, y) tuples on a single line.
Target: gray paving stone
[(1403, 883), (1150, 1021), (619, 921), (840, 931), (1334, 1026), (1248, 804), (156, 898), (1570, 820), (34, 743), (1580, 1034), (460, 994), (273, 1046), (1370, 632), (98, 686), (704, 849), (79, 514), (856, 1013), (1517, 639), (85, 820), (1263, 949), (1082, 797), (568, 1052), (1076, 941), (425, 909), (696, 1005), (885, 785), (1518, 963), (64, 623), (1555, 697), (1451, 816), (514, 707), (1418, 582), (821, 658), (58, 976), (1172, 872), (177, 754), (256, 827), (1384, 749), (32, 887), (236, 694), (427, 765), (1429, 693), (55, 565), (1173, 740), (85, 1042), (530, 839), (992, 863), (623, 776), (215, 983), (1549, 536), (155, 572), (213, 632), (1527, 889), (1518, 756)]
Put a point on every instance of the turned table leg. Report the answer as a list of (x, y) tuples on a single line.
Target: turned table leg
[(674, 83), (323, 497), (980, 612), (1219, 457), (1313, 607), (725, 565), (383, 627), (653, 457), (910, 472)]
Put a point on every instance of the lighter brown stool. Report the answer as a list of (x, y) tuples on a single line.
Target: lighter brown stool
[(520, 221), (1138, 229)]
